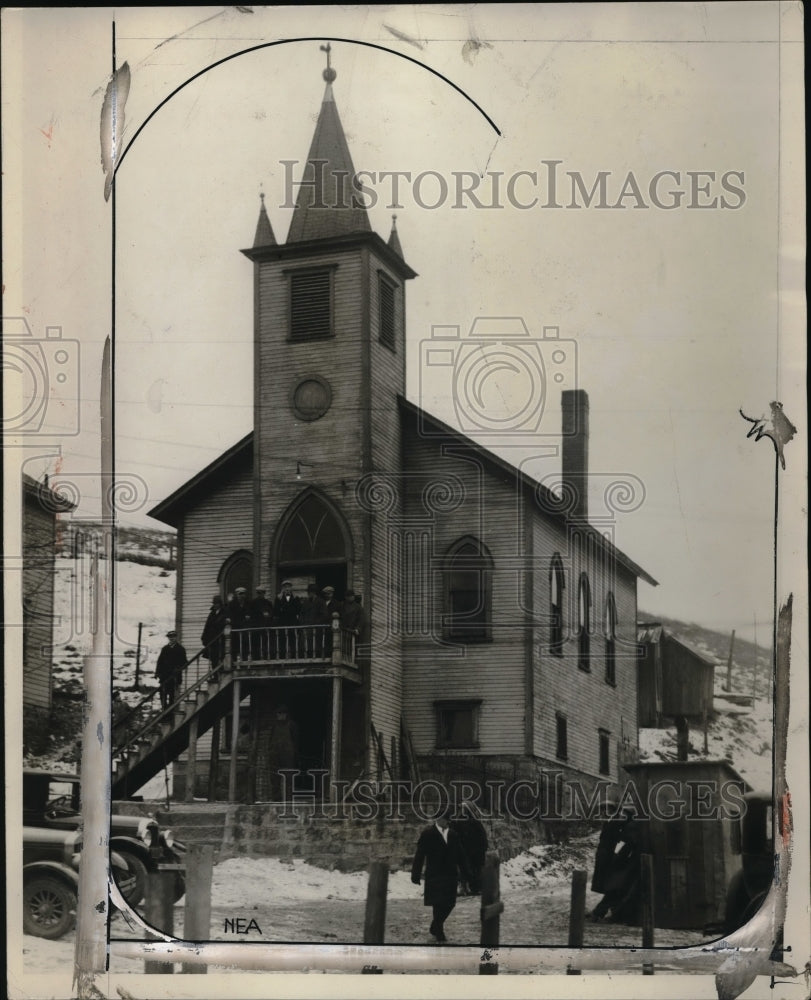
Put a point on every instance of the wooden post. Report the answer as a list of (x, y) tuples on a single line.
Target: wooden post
[(191, 763), (197, 912), (214, 762), (335, 748), (728, 686), (232, 771), (577, 915), (648, 908), (159, 912), (337, 652), (138, 656), (374, 925), (492, 907)]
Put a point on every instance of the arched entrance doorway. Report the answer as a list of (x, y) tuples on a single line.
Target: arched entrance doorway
[(313, 545)]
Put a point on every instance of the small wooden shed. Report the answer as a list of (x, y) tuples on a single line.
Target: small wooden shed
[(692, 831), (674, 679)]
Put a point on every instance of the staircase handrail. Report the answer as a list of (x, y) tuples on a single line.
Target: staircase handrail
[(155, 720)]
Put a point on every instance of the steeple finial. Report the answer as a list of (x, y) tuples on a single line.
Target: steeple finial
[(329, 73), (264, 231), (394, 239)]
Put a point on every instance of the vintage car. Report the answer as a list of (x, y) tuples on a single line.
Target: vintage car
[(51, 879), (51, 801), (749, 886)]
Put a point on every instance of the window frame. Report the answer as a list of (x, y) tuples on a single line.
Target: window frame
[(561, 736), (473, 705), (385, 281), (584, 623), (557, 581), (291, 274), (604, 751), (481, 563), (610, 639)]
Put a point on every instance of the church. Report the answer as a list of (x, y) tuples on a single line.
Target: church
[(499, 622)]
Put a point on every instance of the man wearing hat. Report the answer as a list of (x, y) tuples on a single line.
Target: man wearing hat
[(353, 618), (169, 669), (332, 607), (262, 620), (239, 612), (314, 615), (286, 610), (212, 633)]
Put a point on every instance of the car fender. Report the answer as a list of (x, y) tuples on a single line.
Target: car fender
[(134, 846), (55, 868)]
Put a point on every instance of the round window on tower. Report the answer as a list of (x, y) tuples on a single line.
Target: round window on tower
[(311, 397)]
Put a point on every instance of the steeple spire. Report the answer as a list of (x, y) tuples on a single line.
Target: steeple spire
[(264, 231), (394, 239), (327, 205)]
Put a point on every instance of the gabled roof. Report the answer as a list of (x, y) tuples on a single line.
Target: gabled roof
[(541, 496), (237, 458), (325, 206), (45, 497)]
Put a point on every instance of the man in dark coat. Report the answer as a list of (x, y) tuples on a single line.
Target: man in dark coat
[(286, 609), (353, 618), (438, 848), (473, 838), (241, 618), (313, 614), (211, 638), (169, 669), (616, 870), (262, 621), (333, 607)]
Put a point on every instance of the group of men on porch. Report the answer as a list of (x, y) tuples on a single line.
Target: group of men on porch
[(288, 627)]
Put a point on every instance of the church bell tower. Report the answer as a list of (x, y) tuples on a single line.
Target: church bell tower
[(329, 365)]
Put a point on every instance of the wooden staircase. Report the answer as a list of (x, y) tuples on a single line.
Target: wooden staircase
[(151, 737)]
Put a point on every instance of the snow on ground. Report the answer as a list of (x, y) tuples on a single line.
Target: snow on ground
[(743, 736), (143, 594)]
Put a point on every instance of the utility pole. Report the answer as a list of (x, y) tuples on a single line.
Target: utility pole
[(728, 686), (138, 656), (754, 662), (92, 911)]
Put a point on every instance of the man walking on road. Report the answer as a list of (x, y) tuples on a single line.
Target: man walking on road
[(439, 849)]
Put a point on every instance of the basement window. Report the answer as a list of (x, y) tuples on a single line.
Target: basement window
[(604, 750), (457, 724), (311, 304), (561, 737)]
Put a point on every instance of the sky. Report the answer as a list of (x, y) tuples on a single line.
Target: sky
[(672, 318)]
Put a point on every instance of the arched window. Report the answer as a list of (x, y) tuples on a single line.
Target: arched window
[(236, 571), (557, 586), (610, 639), (584, 623), (312, 533), (468, 592)]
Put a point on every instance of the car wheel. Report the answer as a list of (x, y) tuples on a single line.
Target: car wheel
[(133, 888), (49, 907)]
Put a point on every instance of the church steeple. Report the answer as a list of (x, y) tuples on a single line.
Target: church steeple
[(325, 207), (394, 238), (264, 231)]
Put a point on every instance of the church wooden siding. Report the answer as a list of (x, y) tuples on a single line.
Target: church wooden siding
[(216, 527), (584, 698), (491, 671), (385, 376)]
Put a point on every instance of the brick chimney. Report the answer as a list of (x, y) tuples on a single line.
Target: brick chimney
[(575, 449)]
